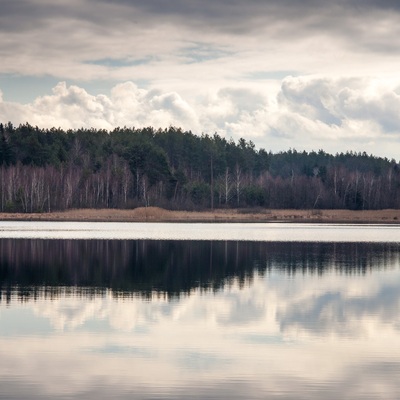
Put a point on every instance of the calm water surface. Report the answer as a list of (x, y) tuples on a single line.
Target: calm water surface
[(200, 231), (228, 315)]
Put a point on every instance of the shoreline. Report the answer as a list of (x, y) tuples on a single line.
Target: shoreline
[(156, 214)]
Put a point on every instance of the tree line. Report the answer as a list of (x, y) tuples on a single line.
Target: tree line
[(43, 170)]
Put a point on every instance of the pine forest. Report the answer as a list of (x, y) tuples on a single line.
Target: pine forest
[(44, 170)]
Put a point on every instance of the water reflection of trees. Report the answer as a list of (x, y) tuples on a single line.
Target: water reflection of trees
[(145, 268)]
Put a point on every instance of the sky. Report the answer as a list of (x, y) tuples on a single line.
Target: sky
[(306, 75)]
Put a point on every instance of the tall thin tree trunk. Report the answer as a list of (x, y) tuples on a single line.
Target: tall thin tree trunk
[(212, 184)]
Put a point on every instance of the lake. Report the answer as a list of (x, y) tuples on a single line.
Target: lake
[(199, 311)]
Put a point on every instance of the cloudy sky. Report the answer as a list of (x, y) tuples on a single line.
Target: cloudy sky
[(306, 74)]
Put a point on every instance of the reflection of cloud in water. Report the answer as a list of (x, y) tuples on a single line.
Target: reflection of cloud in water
[(289, 332), (69, 313), (328, 305), (242, 312), (373, 381), (200, 361), (331, 336), (125, 351), (333, 312)]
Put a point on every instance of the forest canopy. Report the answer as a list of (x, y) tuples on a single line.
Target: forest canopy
[(44, 170)]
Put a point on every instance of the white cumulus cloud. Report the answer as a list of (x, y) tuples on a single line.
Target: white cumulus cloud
[(306, 113)]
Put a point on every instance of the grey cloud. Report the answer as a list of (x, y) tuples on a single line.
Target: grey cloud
[(358, 25), (233, 15), (88, 39), (243, 99), (238, 8), (312, 98), (201, 52), (382, 109), (335, 101), (289, 18), (230, 106), (21, 15)]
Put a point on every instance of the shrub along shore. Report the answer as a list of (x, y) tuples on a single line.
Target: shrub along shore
[(156, 214)]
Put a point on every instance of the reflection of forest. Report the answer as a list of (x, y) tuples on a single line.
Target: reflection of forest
[(144, 267)]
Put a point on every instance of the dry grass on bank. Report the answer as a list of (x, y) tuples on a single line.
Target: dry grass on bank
[(155, 214)]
